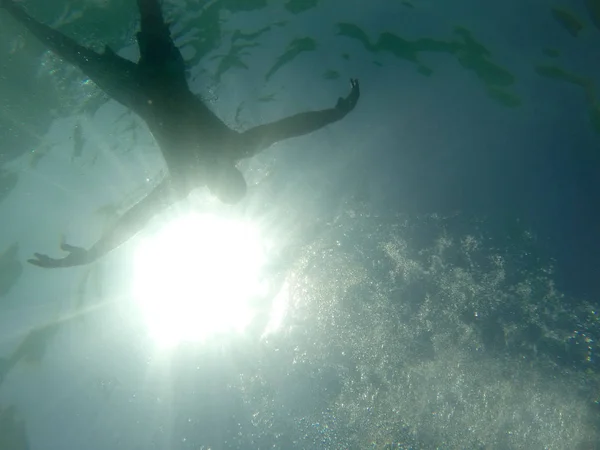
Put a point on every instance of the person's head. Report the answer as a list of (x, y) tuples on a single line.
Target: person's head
[(228, 184)]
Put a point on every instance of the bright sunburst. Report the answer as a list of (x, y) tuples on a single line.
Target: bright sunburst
[(195, 278)]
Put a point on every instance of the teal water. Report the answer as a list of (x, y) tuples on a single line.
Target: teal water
[(428, 274)]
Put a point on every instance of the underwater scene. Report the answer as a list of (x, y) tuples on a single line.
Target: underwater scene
[(299, 224)]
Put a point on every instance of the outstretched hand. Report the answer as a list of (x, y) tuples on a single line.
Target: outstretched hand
[(347, 104), (77, 256)]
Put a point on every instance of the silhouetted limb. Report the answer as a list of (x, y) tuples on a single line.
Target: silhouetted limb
[(160, 59), (127, 226), (261, 137), (116, 76)]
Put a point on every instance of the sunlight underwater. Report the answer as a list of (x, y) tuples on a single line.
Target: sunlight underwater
[(390, 340), (197, 277)]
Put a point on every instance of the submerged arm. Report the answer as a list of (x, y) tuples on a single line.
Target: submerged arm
[(127, 226), (261, 137)]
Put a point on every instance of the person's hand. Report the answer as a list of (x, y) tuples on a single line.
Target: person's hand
[(347, 104), (76, 257)]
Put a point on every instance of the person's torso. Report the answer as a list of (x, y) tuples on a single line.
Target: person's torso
[(191, 137)]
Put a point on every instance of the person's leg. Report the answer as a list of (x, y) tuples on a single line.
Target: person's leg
[(160, 60), (116, 76)]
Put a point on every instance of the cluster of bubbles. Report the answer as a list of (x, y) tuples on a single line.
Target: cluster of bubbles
[(421, 333)]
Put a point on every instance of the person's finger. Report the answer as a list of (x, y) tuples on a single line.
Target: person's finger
[(69, 248), (36, 262), (41, 260)]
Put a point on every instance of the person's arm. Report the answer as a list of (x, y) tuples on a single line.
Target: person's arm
[(261, 137), (127, 226)]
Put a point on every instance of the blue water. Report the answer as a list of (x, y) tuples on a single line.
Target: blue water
[(434, 255)]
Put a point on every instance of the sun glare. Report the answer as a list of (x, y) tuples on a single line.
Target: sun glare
[(197, 276)]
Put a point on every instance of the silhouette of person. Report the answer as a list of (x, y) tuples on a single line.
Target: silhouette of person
[(198, 148)]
